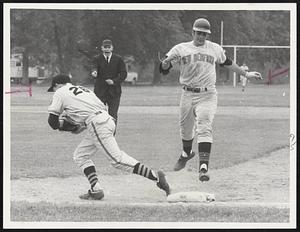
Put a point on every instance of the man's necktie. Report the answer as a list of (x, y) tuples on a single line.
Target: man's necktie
[(107, 59)]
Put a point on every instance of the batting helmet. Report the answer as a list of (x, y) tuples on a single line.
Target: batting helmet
[(202, 24)]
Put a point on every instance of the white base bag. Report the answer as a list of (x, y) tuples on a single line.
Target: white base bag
[(191, 197)]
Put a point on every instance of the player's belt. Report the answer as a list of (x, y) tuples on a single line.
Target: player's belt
[(194, 90)]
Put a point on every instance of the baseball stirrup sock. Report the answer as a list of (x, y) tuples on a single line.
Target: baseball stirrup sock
[(204, 159), (187, 146), (91, 174), (204, 147), (204, 152), (141, 169)]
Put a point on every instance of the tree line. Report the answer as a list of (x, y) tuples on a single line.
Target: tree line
[(65, 39)]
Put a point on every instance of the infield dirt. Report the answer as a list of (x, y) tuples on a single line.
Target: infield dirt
[(260, 181)]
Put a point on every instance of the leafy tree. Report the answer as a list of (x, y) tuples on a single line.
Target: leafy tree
[(54, 37), (139, 33)]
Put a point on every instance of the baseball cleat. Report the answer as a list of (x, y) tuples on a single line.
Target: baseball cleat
[(162, 182), (92, 195), (203, 176), (182, 161)]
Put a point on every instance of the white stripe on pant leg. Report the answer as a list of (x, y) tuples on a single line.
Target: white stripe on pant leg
[(107, 143)]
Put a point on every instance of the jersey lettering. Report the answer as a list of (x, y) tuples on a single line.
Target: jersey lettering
[(198, 57), (77, 90), (204, 57), (84, 89), (76, 102), (198, 63), (186, 59)]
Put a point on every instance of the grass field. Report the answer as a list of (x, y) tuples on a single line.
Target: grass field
[(255, 95), (140, 213), (248, 127)]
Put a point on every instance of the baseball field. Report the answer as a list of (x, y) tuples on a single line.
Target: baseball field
[(249, 165)]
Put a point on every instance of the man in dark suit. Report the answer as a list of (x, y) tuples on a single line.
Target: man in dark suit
[(109, 71)]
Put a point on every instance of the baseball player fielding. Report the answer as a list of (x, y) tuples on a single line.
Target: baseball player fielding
[(76, 109)]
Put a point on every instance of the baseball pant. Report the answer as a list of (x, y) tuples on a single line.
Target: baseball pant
[(100, 137), (197, 111), (244, 81)]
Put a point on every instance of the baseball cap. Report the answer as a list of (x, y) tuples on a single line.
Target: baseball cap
[(59, 79), (202, 24), (107, 42)]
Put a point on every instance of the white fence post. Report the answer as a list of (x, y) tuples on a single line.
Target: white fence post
[(234, 59), (247, 46)]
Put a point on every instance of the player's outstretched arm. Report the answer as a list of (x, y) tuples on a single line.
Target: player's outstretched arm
[(235, 68)]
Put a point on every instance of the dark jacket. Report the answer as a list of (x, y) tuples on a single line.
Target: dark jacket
[(115, 70)]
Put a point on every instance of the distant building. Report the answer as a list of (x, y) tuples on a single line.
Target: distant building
[(36, 73)]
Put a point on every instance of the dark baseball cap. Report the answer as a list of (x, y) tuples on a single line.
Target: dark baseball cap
[(107, 42), (59, 79)]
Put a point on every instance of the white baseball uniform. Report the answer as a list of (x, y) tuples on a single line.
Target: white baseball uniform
[(243, 78), (82, 106), (198, 70)]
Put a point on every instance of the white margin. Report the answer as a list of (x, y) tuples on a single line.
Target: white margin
[(153, 6), (6, 116), (293, 115), (133, 6)]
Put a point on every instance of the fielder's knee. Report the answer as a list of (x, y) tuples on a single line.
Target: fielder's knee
[(187, 134), (82, 162), (204, 135)]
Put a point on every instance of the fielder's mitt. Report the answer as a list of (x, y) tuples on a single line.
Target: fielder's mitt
[(66, 124)]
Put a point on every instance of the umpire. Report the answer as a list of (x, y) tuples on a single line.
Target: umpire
[(109, 71)]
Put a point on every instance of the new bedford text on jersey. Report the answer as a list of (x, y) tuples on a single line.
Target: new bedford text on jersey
[(198, 57)]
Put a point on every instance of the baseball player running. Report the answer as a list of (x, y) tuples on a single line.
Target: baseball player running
[(197, 60), (76, 108)]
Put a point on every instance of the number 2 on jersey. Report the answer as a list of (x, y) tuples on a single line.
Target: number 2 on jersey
[(78, 90)]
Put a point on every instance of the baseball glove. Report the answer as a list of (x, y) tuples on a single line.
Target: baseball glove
[(66, 124), (78, 129)]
